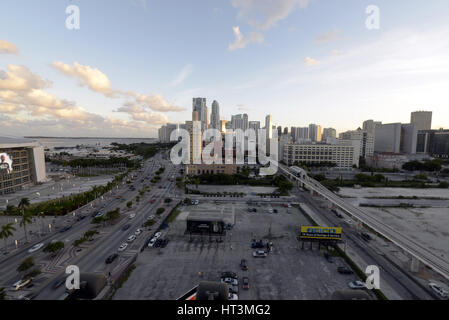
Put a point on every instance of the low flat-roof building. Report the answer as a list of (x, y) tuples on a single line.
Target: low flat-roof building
[(22, 162)]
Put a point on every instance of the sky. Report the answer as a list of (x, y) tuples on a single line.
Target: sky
[(134, 65)]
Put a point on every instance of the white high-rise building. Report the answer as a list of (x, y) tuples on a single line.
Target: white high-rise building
[(422, 120), (365, 138), (370, 126), (215, 116)]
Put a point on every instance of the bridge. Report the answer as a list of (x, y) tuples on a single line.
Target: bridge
[(410, 246)]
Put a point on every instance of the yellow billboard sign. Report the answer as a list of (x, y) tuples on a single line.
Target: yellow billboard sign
[(317, 232)]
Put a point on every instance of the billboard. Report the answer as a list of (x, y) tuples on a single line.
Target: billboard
[(5, 163), (323, 233)]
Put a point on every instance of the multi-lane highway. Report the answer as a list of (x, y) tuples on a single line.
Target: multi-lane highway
[(94, 259)]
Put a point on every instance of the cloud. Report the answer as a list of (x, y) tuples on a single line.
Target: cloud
[(7, 47), (310, 61), (264, 14), (26, 105), (93, 78), (336, 52), (182, 75), (19, 78), (99, 82), (241, 41), (327, 36)]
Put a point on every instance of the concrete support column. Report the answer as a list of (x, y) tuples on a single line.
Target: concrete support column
[(414, 264)]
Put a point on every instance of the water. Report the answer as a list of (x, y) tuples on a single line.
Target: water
[(51, 143)]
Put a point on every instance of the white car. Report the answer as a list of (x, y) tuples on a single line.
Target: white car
[(131, 238), (123, 247), (132, 216), (157, 235), (138, 232), (232, 281), (349, 221), (438, 290), (357, 285), (35, 247), (270, 210), (152, 242), (289, 205), (233, 296)]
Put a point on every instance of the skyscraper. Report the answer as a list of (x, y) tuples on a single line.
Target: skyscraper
[(199, 105), (370, 126), (329, 133), (315, 132), (215, 116), (269, 130), (422, 120)]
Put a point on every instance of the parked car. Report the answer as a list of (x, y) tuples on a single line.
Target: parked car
[(132, 216), (35, 247), (257, 244), (275, 210), (344, 270), (438, 290), (111, 258), (357, 285), (229, 274), (157, 235), (231, 281), (328, 257), (126, 227), (233, 296), (259, 254), (270, 210), (243, 265), (138, 232), (233, 289), (123, 247), (245, 283), (131, 238), (152, 242)]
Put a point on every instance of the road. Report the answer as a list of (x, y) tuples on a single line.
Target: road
[(94, 259)]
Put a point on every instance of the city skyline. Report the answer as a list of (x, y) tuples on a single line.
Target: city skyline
[(301, 61)]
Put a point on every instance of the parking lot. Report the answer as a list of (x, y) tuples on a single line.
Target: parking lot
[(286, 273)]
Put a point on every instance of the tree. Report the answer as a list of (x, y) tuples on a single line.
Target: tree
[(167, 200), (129, 204), (54, 247), (160, 210), (6, 232), (26, 264), (2, 294), (26, 219)]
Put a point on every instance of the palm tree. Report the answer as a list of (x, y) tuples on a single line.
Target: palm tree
[(24, 202), (6, 232), (26, 219)]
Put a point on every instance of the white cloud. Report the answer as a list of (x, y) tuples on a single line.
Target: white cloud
[(327, 36), (8, 47), (182, 75), (264, 14), (93, 78), (241, 41), (310, 61)]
